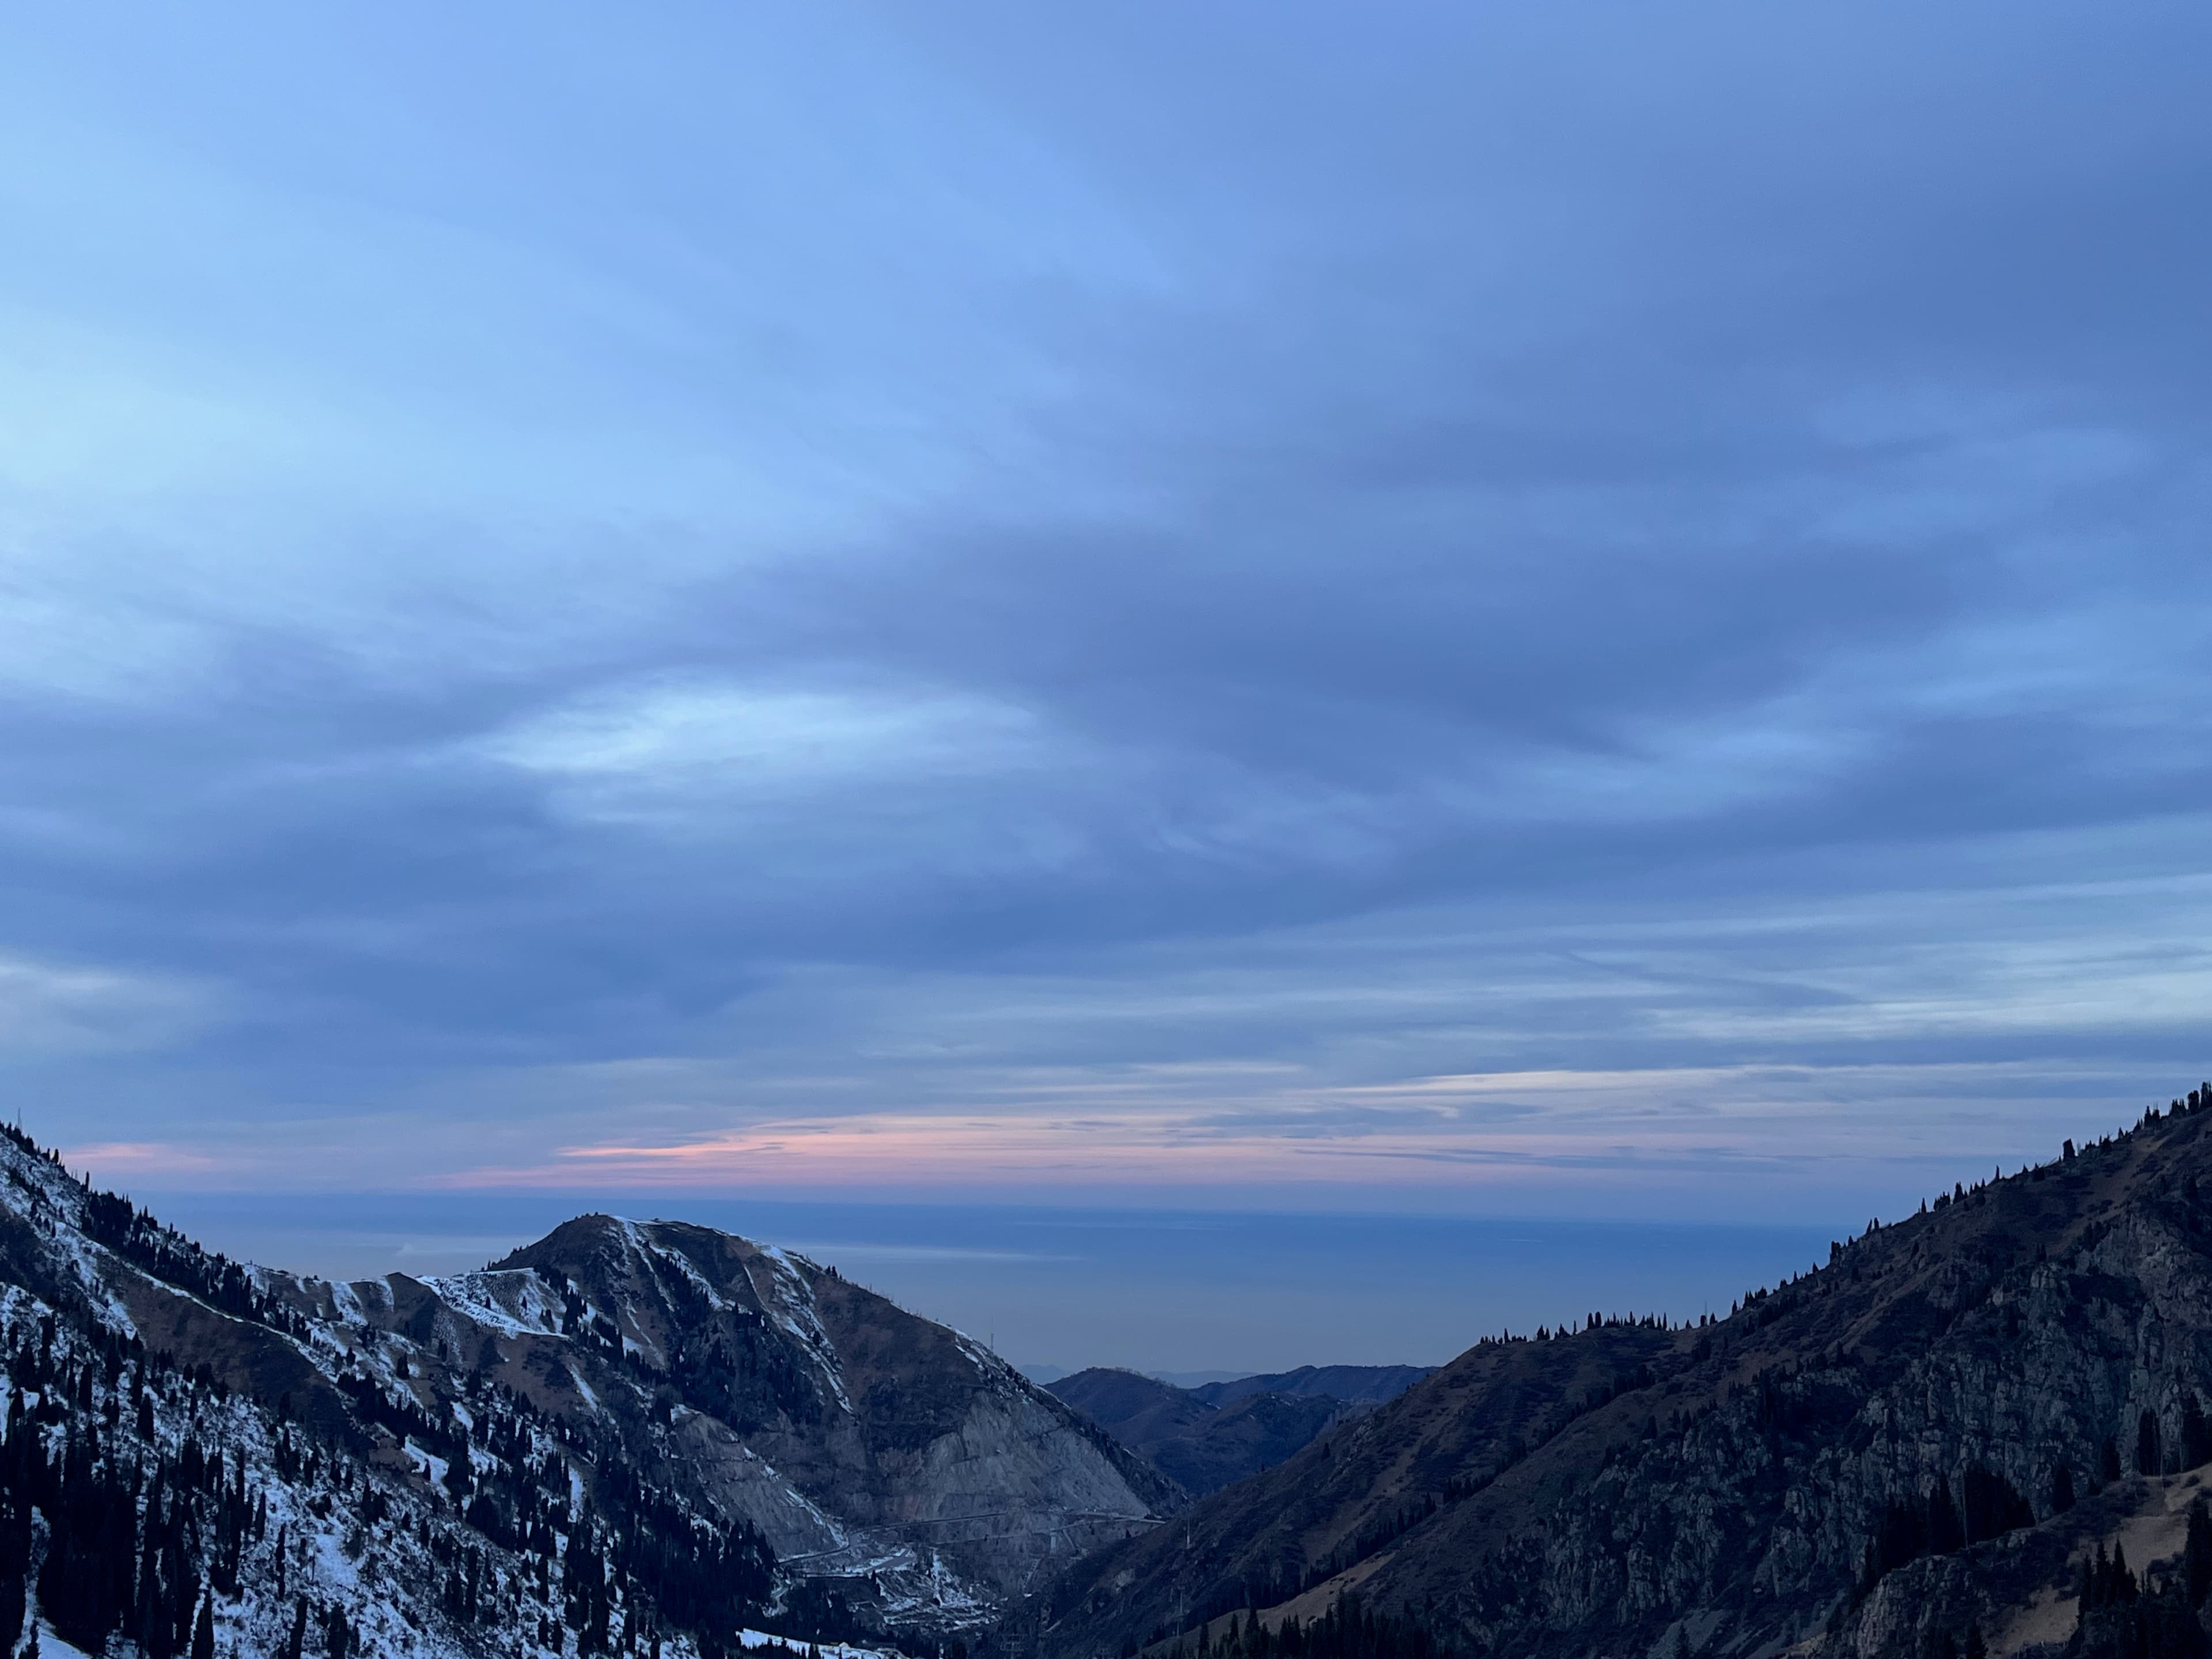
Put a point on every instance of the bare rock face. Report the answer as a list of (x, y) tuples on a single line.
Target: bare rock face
[(897, 1461), (1875, 1459), (920, 1449)]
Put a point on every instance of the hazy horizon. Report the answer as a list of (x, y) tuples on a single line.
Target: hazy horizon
[(1147, 1290)]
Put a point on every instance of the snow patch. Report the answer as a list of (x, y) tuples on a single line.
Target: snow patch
[(347, 1303), (757, 1638), (50, 1644), (511, 1301), (428, 1464)]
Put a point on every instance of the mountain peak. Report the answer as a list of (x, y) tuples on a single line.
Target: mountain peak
[(787, 1449)]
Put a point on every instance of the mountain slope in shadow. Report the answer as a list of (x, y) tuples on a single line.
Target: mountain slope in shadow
[(1200, 1445), (1921, 1442)]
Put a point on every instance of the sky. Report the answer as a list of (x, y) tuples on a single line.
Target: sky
[(1587, 612)]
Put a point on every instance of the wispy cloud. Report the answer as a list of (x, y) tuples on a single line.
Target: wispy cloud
[(1448, 1141), (49, 1008), (669, 751)]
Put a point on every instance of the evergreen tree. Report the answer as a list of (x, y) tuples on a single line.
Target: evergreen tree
[(2196, 1434), (1946, 1532), (1991, 1504), (14, 1559), (2116, 1620)]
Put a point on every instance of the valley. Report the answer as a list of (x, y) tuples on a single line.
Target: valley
[(1980, 1430)]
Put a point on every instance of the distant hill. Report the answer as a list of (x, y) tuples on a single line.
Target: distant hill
[(1354, 1385), (1201, 1445), (1986, 1428)]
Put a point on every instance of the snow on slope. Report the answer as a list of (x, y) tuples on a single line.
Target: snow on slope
[(927, 1484)]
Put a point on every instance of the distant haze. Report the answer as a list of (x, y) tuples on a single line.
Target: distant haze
[(1195, 1296)]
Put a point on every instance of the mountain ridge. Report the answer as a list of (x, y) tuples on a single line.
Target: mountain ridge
[(1207, 1437), (651, 1428), (1733, 1485), (1351, 1385), (633, 1437)]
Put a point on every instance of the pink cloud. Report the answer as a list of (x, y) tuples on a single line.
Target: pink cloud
[(110, 1159), (884, 1151)]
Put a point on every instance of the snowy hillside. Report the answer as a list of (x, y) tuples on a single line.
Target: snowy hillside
[(643, 1438)]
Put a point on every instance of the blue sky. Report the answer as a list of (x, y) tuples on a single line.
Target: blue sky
[(1479, 609)]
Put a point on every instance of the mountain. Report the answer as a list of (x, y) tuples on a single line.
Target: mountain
[(1983, 1430), (627, 1435), (1199, 1445), (1206, 1438), (1187, 1379), (1142, 1412), (1348, 1385), (1955, 1436)]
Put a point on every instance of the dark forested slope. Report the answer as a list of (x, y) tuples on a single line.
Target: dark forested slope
[(1199, 1444), (1922, 1442)]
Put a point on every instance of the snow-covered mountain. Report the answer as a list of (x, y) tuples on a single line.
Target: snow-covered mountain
[(630, 1436)]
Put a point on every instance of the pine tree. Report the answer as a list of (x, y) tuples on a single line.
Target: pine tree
[(2197, 1553), (2196, 1434), (14, 1560), (1945, 1531)]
